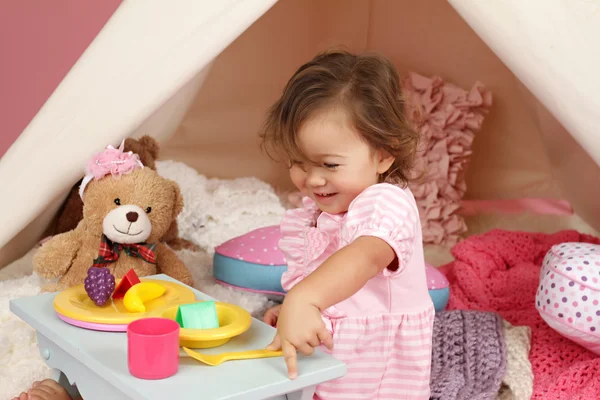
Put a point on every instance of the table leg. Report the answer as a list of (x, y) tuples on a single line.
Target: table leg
[(73, 375), (305, 394)]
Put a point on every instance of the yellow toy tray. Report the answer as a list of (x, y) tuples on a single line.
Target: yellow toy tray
[(74, 303)]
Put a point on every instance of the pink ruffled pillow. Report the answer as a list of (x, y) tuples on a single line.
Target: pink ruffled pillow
[(447, 118)]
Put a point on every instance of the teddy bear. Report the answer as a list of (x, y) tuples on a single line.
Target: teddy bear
[(127, 209), (71, 212)]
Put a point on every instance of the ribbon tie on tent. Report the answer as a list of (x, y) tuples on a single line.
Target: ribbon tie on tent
[(109, 252)]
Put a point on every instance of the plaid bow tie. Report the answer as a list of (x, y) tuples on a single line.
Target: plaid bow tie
[(109, 252)]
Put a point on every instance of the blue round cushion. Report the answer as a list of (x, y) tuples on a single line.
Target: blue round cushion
[(248, 276), (254, 263), (440, 298)]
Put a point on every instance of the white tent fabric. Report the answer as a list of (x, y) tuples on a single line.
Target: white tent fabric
[(199, 75), (553, 48)]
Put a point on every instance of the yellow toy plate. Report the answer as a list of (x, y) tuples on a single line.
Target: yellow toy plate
[(233, 321), (75, 303)]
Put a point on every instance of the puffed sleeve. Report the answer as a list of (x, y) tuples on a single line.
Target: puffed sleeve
[(293, 232), (388, 212)]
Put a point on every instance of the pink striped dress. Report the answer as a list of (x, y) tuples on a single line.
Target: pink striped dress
[(384, 332)]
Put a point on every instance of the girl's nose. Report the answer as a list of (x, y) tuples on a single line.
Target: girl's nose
[(315, 180)]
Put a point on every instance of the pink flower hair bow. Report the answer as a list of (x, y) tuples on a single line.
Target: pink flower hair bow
[(110, 161)]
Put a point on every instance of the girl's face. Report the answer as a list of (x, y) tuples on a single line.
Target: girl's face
[(341, 164)]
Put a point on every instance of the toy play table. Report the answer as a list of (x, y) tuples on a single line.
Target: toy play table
[(96, 362)]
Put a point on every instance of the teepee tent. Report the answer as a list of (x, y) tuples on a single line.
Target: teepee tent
[(199, 76)]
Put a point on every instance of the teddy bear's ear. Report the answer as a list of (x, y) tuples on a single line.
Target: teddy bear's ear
[(151, 146), (178, 205), (146, 148)]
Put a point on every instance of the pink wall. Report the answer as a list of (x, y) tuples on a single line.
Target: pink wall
[(39, 42)]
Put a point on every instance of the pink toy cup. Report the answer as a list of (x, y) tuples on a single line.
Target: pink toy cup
[(153, 348)]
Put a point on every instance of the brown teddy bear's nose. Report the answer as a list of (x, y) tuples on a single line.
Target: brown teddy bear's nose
[(132, 216)]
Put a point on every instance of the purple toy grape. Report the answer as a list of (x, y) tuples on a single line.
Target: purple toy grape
[(99, 284)]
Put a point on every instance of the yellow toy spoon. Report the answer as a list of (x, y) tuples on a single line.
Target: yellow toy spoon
[(237, 355)]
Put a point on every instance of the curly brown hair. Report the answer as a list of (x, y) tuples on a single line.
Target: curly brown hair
[(367, 86)]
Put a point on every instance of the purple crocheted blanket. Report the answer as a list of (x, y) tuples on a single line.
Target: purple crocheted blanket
[(469, 355)]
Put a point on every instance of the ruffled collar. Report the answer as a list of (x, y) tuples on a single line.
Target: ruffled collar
[(321, 220)]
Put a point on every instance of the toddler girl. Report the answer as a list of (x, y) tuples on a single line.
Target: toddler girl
[(356, 273)]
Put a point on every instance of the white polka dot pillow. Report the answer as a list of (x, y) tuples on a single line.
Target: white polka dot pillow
[(568, 295)]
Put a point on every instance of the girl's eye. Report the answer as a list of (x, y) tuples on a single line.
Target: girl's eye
[(331, 166), (118, 201)]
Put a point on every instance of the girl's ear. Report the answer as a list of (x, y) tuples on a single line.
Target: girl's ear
[(384, 161)]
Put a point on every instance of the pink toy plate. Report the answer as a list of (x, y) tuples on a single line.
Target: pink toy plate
[(93, 325)]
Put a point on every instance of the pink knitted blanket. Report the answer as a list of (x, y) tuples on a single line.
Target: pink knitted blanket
[(499, 271)]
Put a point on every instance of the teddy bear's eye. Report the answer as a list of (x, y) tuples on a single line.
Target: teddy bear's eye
[(148, 209), (118, 201)]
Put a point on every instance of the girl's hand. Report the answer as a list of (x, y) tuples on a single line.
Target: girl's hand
[(272, 315), (299, 328)]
